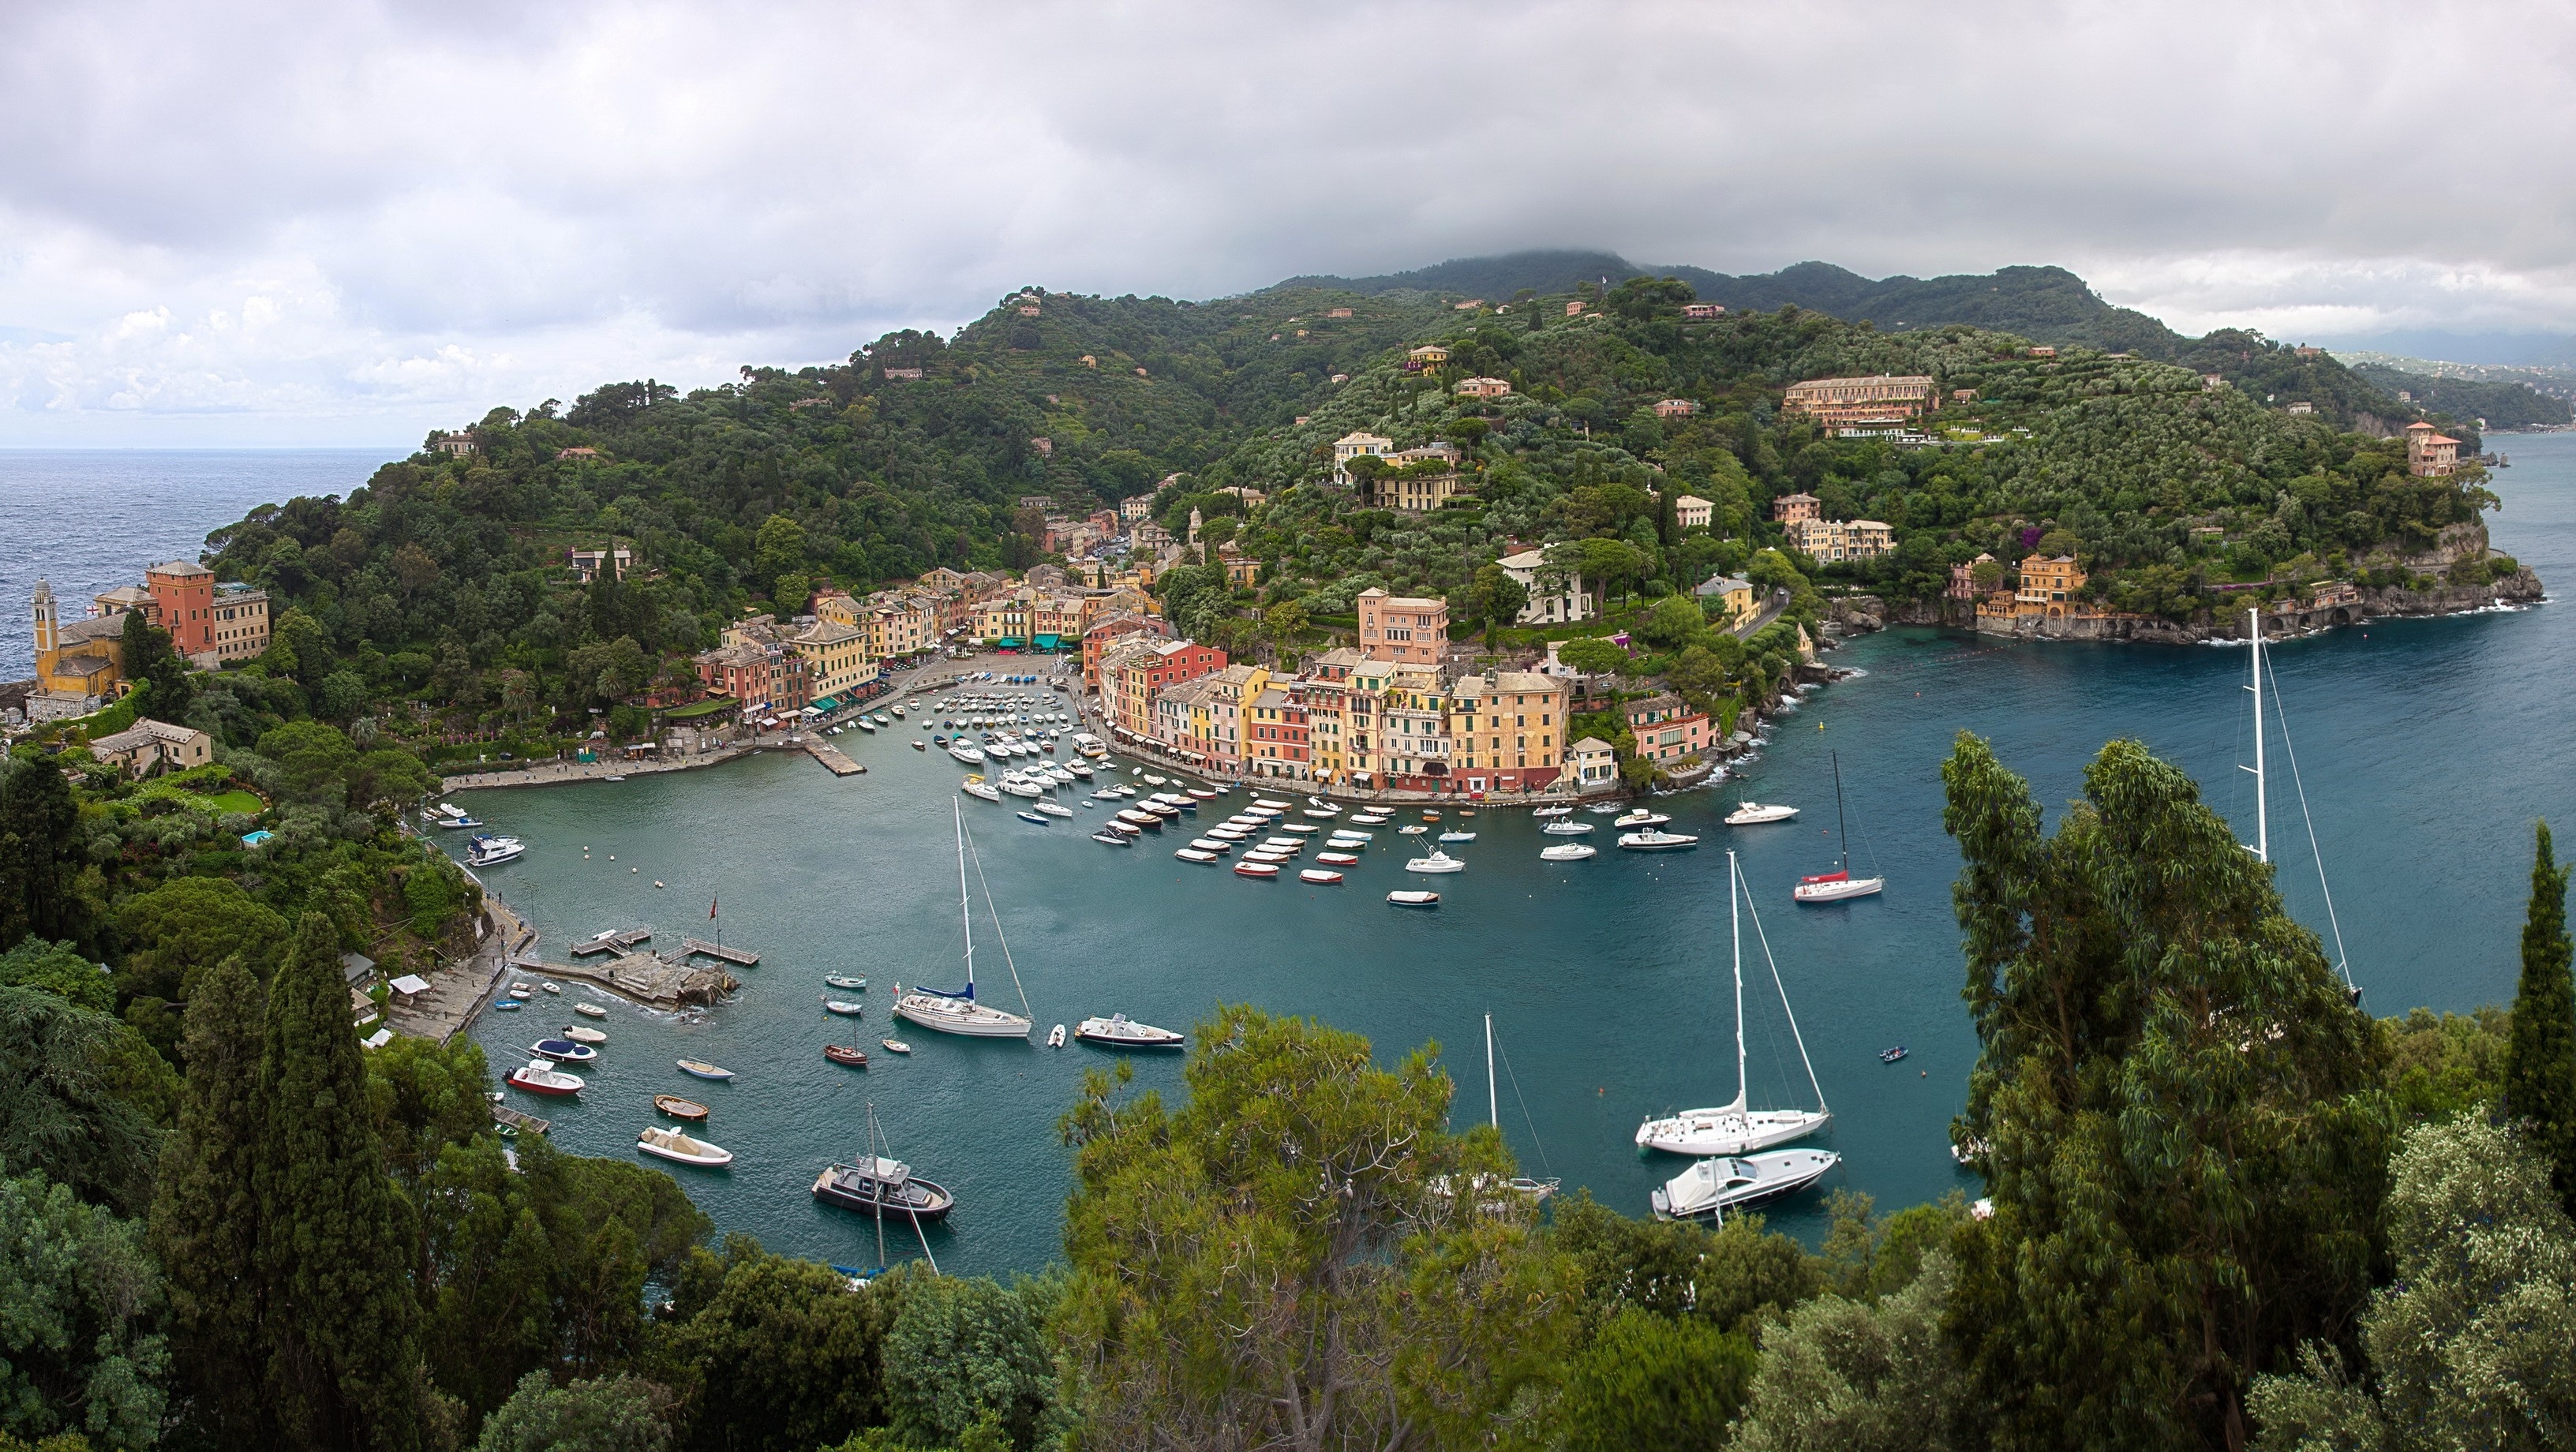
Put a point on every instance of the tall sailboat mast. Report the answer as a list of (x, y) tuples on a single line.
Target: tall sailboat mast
[(1493, 1106), (1842, 824), (2262, 809), (1735, 929), (965, 911)]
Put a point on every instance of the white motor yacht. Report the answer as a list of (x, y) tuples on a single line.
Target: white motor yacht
[(1737, 1182), (1569, 852), (1118, 1031), (976, 786), (1754, 813), (1438, 861), (1566, 829), (967, 752), (1641, 817), (1651, 840)]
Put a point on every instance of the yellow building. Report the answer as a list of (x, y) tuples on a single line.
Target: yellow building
[(2049, 584), (79, 663), (836, 656)]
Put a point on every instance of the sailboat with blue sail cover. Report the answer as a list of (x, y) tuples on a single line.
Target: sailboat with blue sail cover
[(956, 1011)]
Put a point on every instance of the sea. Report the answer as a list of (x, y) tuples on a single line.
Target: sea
[(2416, 756)]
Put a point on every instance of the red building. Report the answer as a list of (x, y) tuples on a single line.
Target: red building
[(1277, 739), (1106, 630), (762, 677), (1666, 728), (185, 594)]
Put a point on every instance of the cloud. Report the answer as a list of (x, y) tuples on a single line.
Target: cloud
[(351, 223)]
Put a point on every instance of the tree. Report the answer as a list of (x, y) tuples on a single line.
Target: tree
[(40, 853), (187, 925), (205, 1217), (160, 677), (2540, 1065), (65, 1112), (1674, 622), (57, 969), (963, 1350), (1858, 1376), (1594, 656), (1652, 1381), (1640, 298), (610, 1414), (2468, 1344), (1285, 1261), (1284, 622), (313, 761), (344, 1356), (78, 1298), (2186, 1146), (778, 549), (775, 1355), (1489, 597)]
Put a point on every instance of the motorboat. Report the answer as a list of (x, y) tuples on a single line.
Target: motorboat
[(1737, 1182), (538, 1076), (1319, 812), (1368, 819), (957, 1012), (1135, 817), (1569, 852), (1414, 899), (665, 1143), (1032, 818), (580, 1035), (1111, 839), (1754, 813), (1224, 833), (1566, 829), (508, 1005), (1641, 818), (1411, 829), (1734, 1128), (1051, 809), (1302, 829), (843, 980), (1118, 1031), (1890, 1056), (679, 1108), (1128, 830), (1055, 1037), (1319, 876), (1269, 805), (920, 745), (1652, 840), (1438, 861), (966, 751), (1195, 854), (1457, 836), (1543, 813), (590, 1010), (976, 786), (701, 1069), (1212, 844), (1349, 839), (1838, 885), (895, 1046), (1603, 809), (563, 1051), (844, 1007), (879, 1186), (1250, 868), (846, 1056), (1203, 794), (1338, 859), (486, 851), (1020, 786)]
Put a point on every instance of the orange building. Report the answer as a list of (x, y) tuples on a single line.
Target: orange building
[(2430, 455), (2050, 586), (1854, 401), (1397, 628), (1790, 508)]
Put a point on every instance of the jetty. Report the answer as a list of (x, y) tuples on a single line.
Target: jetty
[(657, 980), (520, 1120), (700, 947), (831, 757), (623, 940)]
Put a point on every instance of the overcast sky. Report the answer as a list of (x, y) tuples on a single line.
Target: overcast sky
[(350, 223)]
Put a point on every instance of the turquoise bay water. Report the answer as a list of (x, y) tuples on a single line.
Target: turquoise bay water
[(2427, 748)]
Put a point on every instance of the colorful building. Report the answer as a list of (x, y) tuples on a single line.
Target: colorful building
[(1403, 629), (1667, 728)]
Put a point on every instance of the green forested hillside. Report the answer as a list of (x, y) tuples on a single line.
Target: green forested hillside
[(2501, 405)]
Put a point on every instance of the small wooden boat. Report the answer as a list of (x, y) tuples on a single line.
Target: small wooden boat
[(896, 1046), (1338, 859), (590, 1010), (563, 1051), (1256, 869), (1890, 1056), (541, 1077), (581, 1035), (1414, 899), (1194, 854), (679, 1108), (843, 1007), (846, 1056), (837, 980), (508, 1005), (522, 990), (1320, 877), (663, 1142), (701, 1069), (554, 988)]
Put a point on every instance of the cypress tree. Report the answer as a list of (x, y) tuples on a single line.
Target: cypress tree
[(205, 1217), (343, 1325), (2540, 1063)]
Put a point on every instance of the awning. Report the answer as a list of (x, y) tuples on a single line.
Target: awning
[(828, 703), (409, 984)]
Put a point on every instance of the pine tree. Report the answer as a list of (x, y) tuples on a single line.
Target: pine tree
[(205, 1220), (343, 1326), (2540, 1063)]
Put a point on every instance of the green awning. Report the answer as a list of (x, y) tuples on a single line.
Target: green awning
[(1008, 642), (828, 703), (1049, 642)]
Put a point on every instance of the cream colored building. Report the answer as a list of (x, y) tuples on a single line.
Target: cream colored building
[(1834, 541), (1556, 597), (148, 745), (1692, 512), (1352, 445)]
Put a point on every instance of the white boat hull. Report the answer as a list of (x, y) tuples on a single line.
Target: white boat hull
[(1698, 1132), (1753, 814), (1839, 891), (1719, 1184), (960, 1016)]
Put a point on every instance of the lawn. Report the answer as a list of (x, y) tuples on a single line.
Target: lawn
[(236, 800)]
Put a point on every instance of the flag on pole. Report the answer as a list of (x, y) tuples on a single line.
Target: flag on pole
[(711, 909)]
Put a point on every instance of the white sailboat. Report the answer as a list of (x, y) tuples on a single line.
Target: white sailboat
[(2261, 846), (958, 1012), (1735, 1128), (1535, 1189), (1838, 885)]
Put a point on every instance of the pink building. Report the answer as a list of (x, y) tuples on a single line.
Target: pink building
[(1401, 628)]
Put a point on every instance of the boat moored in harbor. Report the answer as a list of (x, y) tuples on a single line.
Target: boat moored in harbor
[(1712, 1187), (1118, 1031), (663, 1142)]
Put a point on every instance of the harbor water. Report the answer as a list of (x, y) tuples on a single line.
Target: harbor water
[(2424, 749)]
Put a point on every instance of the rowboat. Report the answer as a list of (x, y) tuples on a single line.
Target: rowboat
[(1195, 854), (701, 1069), (508, 1005), (836, 980), (1414, 899), (663, 1142), (590, 1010), (1338, 859), (896, 1046), (843, 1007), (1319, 876), (846, 1056), (679, 1108), (1256, 869)]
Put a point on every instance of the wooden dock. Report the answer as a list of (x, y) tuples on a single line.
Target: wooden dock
[(623, 941), (699, 947), (658, 981), (524, 1122), (831, 757)]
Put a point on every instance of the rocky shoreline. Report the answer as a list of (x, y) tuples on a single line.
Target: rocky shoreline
[(1852, 615)]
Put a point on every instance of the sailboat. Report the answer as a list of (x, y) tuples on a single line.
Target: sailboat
[(1535, 1189), (1734, 1128), (1839, 884), (2261, 846), (958, 1012)]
